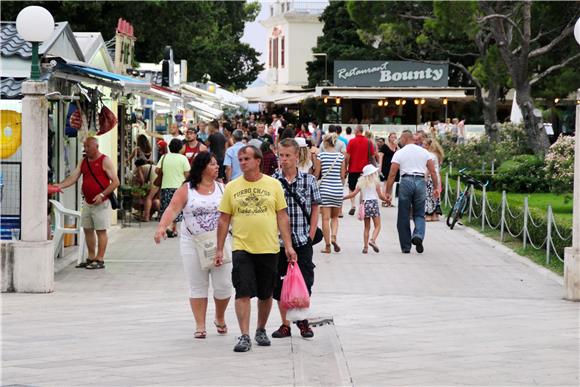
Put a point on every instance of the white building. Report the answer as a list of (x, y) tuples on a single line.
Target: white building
[(292, 29)]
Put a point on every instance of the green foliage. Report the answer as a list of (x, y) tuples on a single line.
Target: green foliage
[(206, 33), (313, 109), (523, 173), (511, 142), (559, 165)]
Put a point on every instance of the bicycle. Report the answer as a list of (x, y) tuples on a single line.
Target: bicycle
[(462, 201)]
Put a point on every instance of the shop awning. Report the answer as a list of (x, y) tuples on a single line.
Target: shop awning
[(292, 98), (389, 92), (205, 110), (205, 95), (98, 76), (160, 94)]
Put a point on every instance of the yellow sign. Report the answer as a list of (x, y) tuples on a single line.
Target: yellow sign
[(11, 134)]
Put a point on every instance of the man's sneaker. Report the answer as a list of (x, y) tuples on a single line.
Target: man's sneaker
[(262, 337), (418, 244), (283, 331), (244, 344), (305, 330)]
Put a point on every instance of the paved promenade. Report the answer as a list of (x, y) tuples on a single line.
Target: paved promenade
[(466, 312)]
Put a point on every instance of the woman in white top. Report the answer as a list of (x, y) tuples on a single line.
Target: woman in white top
[(198, 199), (433, 204), (305, 163), (369, 186)]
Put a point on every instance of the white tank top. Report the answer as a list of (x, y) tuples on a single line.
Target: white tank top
[(201, 214)]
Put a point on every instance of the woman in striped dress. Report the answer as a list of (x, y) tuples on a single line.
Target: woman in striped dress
[(331, 169)]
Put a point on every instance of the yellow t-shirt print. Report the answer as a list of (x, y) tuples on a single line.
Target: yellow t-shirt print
[(253, 206)]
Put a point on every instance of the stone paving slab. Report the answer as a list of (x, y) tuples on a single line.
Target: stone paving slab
[(466, 312)]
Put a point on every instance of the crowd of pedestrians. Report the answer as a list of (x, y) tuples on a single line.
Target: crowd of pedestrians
[(250, 195)]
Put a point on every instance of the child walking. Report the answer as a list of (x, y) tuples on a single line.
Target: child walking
[(369, 186)]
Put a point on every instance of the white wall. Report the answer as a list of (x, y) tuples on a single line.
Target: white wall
[(300, 42)]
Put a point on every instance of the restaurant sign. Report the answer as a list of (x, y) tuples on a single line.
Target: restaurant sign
[(389, 74)]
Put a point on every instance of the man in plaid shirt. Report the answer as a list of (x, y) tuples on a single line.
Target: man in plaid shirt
[(303, 226)]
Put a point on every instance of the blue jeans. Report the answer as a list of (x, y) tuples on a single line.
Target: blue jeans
[(411, 197)]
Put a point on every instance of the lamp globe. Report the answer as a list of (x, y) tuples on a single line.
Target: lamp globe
[(34, 24)]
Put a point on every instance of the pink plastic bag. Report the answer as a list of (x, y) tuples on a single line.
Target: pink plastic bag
[(294, 291), (361, 211)]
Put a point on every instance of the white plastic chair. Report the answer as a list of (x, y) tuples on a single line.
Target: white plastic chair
[(59, 230)]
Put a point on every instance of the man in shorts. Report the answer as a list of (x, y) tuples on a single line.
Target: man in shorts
[(99, 181), (359, 151), (255, 206)]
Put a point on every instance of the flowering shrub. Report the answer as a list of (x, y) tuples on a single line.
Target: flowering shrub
[(559, 165)]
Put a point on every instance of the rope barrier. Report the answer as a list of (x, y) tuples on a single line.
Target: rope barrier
[(484, 214), (540, 247), (509, 231), (558, 231), (556, 252)]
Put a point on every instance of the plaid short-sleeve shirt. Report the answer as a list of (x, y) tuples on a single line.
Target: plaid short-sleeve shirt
[(305, 187)]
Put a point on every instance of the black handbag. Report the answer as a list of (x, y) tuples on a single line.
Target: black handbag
[(318, 236), (112, 196)]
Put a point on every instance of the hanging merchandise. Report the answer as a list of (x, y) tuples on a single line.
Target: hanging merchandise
[(107, 119), (73, 120)]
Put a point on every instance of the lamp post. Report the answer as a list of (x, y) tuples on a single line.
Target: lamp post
[(572, 254), (325, 65), (33, 258), (34, 24)]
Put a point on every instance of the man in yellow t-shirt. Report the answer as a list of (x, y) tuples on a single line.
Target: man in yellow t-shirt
[(255, 206)]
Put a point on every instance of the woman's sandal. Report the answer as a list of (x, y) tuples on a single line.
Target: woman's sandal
[(374, 246), (200, 334), (334, 244), (365, 250), (221, 329), (326, 250)]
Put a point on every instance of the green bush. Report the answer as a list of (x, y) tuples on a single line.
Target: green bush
[(523, 173), (471, 155)]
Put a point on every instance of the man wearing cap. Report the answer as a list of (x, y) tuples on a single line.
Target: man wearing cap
[(191, 146), (413, 161)]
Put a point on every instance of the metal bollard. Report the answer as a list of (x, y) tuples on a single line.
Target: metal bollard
[(525, 232), (502, 220), (483, 198), (548, 235)]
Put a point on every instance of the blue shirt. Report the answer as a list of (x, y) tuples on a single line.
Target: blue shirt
[(231, 159), (343, 139)]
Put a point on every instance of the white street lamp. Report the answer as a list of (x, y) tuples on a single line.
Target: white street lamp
[(34, 24), (572, 254)]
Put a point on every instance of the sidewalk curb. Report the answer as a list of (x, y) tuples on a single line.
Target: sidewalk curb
[(512, 254)]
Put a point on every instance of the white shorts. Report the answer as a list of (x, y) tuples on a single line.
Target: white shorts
[(96, 216), (198, 279)]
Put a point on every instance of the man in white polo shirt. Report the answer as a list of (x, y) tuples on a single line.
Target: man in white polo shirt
[(413, 161)]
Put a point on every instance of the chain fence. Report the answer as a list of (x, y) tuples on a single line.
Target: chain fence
[(531, 226)]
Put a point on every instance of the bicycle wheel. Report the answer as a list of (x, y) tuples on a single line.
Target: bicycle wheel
[(456, 212)]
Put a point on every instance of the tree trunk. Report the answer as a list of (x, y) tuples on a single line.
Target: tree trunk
[(489, 108), (537, 138)]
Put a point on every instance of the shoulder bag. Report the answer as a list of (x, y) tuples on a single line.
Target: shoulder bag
[(318, 235), (329, 169), (112, 196), (159, 179), (206, 247)]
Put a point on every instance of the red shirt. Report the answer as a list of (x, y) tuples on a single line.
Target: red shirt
[(90, 187), (193, 150), (358, 149)]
